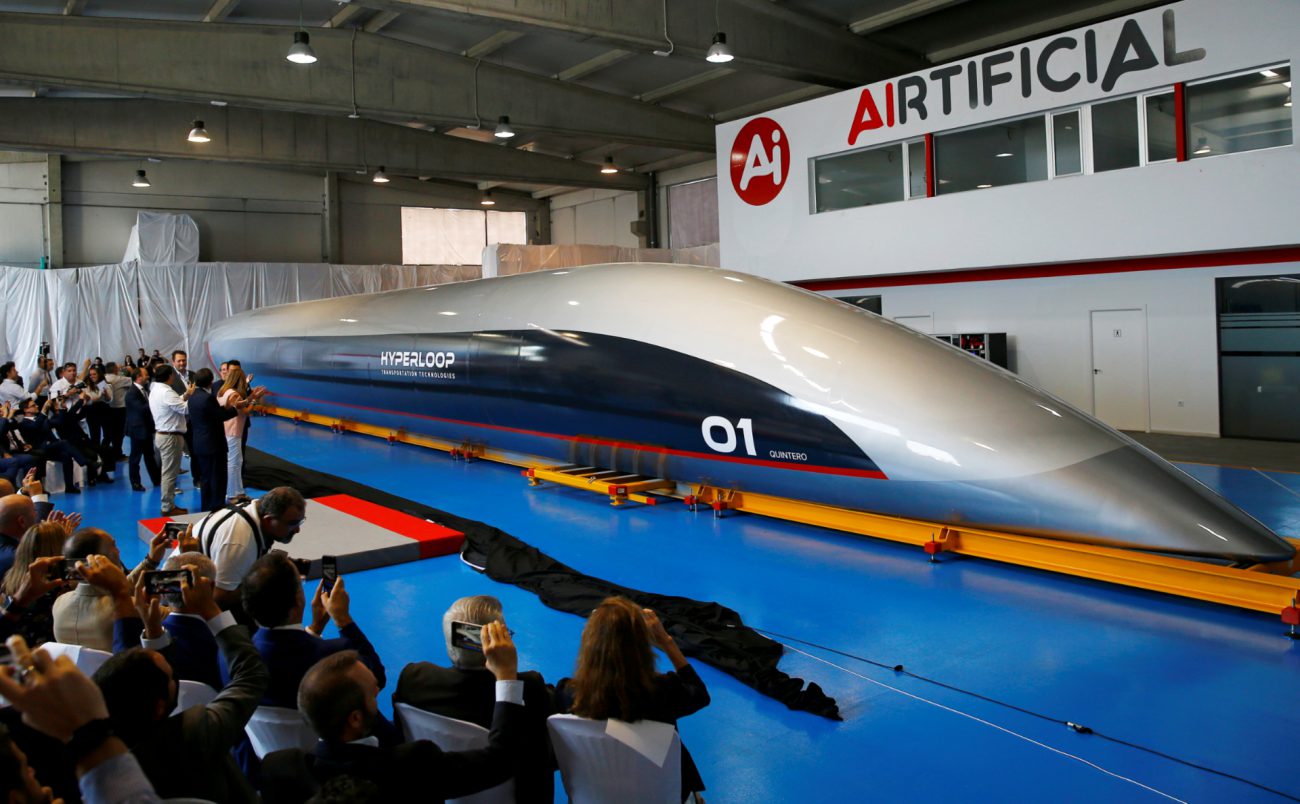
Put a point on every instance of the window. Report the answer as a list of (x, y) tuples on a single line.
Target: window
[(915, 170), (1161, 127), (859, 179), (693, 214), (1013, 152), (1068, 159), (457, 236), (1115, 135), (1240, 113)]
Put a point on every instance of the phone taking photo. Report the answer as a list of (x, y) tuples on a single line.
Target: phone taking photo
[(162, 582), (329, 571), (65, 569), (174, 531), (466, 635)]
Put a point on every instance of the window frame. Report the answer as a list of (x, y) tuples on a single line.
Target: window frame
[(1187, 121)]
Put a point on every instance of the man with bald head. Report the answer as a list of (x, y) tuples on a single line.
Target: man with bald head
[(17, 514)]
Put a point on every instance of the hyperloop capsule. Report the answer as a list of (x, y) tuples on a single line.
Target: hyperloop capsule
[(705, 375)]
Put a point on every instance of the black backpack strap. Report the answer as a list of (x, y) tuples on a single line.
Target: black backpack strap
[(206, 534)]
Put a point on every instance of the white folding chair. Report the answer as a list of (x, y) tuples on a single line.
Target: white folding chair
[(272, 728), (450, 734), (87, 660), (193, 693), (598, 769), (56, 483)]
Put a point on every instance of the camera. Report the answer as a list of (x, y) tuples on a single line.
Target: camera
[(45, 349), (65, 570), (161, 582), (80, 385)]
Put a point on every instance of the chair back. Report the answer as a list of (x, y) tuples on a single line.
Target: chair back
[(598, 769), (87, 660), (272, 728), (450, 734), (193, 693)]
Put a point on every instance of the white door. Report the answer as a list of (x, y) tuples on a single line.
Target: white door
[(920, 323), (1119, 368)]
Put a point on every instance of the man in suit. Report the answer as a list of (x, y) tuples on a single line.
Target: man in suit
[(340, 698), (16, 459), (17, 514), (464, 692), (185, 755), (273, 596), (208, 434), (140, 427), (33, 428), (190, 648), (182, 378)]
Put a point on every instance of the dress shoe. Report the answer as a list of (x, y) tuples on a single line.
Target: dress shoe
[(137, 487), (92, 481), (177, 511), (72, 490)]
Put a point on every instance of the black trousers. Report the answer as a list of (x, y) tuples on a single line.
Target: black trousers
[(116, 431), (196, 470), (143, 448), (212, 489)]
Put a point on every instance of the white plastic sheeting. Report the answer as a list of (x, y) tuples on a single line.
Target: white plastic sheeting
[(112, 310), (507, 260), (160, 238)]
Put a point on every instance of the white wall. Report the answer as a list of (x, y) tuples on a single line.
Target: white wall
[(22, 215), (1229, 202), (1048, 324), (603, 217)]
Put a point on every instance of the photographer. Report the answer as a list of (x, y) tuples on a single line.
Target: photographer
[(42, 378)]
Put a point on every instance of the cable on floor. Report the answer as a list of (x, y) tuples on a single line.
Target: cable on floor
[(1076, 727)]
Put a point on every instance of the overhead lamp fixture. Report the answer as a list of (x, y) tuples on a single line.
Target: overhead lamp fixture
[(1202, 146), (719, 53), (1004, 155), (380, 176), (300, 51), (982, 186), (668, 51), (503, 130), (609, 166), (141, 179), (1268, 73), (1288, 99), (198, 133), (487, 200)]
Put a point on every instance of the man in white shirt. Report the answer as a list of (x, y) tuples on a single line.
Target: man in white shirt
[(43, 377), (235, 539), (67, 379), (169, 417), (12, 391), (181, 380)]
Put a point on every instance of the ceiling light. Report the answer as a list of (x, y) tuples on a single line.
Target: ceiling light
[(198, 133), (300, 52), (218, 103), (1288, 99), (982, 186), (141, 180), (487, 200), (1202, 146), (719, 53), (1268, 73), (380, 176), (503, 130), (609, 166), (1004, 155)]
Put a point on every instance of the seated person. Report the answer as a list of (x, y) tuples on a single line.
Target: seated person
[(193, 653), (340, 698), (37, 435), (186, 754), (40, 541), (85, 615), (464, 692), (616, 675), (273, 597)]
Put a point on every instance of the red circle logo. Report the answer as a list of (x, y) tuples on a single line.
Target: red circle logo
[(760, 161)]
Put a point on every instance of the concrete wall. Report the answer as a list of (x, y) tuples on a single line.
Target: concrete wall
[(244, 213)]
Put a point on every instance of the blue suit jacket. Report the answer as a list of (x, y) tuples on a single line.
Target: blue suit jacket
[(139, 419), (193, 653), (207, 417), (289, 653)]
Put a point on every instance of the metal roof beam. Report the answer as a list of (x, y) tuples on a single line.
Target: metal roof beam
[(345, 13), (245, 65), (593, 65), (900, 12), (74, 8), (492, 44), (219, 10), (1057, 22), (380, 21), (766, 37), (138, 128), (684, 85)]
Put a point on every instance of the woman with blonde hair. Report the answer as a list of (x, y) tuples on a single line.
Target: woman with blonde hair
[(616, 678), (40, 541)]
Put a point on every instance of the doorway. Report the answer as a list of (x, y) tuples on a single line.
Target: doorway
[(1119, 368)]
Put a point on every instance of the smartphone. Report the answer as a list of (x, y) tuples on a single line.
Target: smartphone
[(161, 582), (466, 635), (65, 570), (174, 531), (329, 571)]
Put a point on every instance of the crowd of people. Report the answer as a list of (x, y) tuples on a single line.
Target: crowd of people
[(244, 624), (83, 415)]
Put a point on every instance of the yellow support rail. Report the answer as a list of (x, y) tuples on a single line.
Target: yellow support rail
[(1267, 588)]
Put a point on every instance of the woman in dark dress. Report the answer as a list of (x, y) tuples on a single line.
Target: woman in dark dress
[(616, 677)]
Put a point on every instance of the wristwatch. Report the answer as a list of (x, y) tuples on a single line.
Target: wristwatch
[(88, 737)]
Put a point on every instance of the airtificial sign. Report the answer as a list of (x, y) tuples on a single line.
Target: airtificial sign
[(1043, 68)]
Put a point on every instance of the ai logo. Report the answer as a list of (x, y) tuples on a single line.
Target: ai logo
[(760, 161)]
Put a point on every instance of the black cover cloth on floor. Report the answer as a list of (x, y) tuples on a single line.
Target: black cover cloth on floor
[(709, 632)]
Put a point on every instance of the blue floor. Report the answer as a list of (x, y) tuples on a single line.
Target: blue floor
[(1208, 684)]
